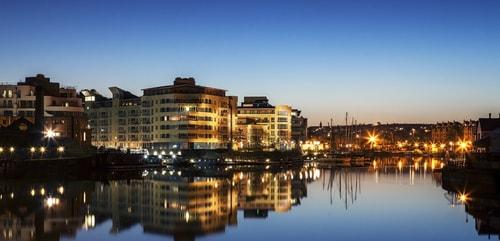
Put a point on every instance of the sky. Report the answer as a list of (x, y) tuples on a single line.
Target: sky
[(381, 61)]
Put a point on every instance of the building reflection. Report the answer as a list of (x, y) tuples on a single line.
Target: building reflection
[(42, 212), (184, 207), (187, 206), (170, 203), (478, 192)]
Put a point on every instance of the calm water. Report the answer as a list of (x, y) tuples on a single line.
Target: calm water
[(394, 199)]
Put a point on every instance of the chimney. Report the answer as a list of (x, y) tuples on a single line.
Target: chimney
[(490, 115)]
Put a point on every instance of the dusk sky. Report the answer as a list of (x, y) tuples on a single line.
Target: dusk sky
[(387, 61)]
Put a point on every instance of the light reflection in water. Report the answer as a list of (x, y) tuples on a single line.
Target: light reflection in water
[(187, 205)]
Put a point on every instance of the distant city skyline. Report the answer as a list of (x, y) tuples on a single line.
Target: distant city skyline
[(381, 61)]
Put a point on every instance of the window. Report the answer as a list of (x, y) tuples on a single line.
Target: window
[(283, 113), (282, 119)]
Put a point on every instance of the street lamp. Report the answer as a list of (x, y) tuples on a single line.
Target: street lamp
[(49, 133), (60, 150), (32, 151), (42, 150), (372, 139), (11, 150)]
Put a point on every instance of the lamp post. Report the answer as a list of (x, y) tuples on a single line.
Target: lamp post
[(32, 151), (372, 140), (60, 150), (49, 135), (42, 151), (11, 150), (463, 146)]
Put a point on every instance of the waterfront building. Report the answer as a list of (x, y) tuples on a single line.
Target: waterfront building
[(54, 110), (486, 126), (488, 135), (470, 130), (447, 131), (189, 116), (299, 127), (262, 125), (114, 122), (179, 116)]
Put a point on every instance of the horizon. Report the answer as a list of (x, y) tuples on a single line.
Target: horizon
[(388, 62)]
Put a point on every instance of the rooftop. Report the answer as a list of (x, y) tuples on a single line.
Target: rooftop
[(489, 124), (184, 86), (256, 102)]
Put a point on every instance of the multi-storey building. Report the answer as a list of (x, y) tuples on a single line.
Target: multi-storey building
[(114, 122), (447, 131), (179, 116), (262, 125), (470, 130), (49, 106), (454, 131), (299, 127), (188, 116)]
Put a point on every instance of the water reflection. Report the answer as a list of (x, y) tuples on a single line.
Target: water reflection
[(42, 212), (479, 194), (186, 204)]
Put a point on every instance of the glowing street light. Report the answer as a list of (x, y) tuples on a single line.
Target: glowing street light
[(60, 150), (49, 133), (372, 139), (11, 149), (32, 151), (60, 190), (463, 146)]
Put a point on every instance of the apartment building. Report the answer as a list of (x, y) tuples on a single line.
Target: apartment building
[(179, 116), (114, 122), (299, 127), (263, 126), (50, 107)]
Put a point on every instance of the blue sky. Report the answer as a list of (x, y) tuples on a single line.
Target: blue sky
[(387, 61)]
